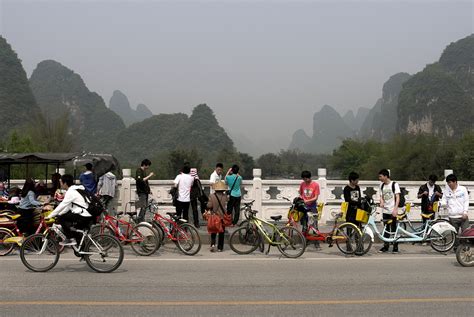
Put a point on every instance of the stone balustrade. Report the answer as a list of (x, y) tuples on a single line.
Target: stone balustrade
[(269, 194)]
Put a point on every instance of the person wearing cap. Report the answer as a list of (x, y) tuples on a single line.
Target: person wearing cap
[(216, 204), (197, 193), (88, 180)]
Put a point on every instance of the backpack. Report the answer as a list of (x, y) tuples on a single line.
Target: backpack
[(401, 203), (95, 205)]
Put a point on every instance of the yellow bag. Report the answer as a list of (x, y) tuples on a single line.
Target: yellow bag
[(362, 216), (295, 215)]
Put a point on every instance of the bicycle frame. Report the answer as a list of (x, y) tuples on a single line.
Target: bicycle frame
[(259, 225), (114, 224)]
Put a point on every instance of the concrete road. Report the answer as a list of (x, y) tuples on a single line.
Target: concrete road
[(418, 281)]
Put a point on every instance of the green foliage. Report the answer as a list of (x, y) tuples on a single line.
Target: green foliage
[(18, 108)]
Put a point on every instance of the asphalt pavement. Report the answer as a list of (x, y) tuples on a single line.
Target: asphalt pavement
[(418, 281)]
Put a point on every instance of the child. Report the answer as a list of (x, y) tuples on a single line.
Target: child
[(309, 191)]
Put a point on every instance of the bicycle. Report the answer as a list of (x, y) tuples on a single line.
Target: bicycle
[(40, 252), (11, 236), (142, 237), (441, 234), (184, 235), (346, 235), (246, 239), (405, 221)]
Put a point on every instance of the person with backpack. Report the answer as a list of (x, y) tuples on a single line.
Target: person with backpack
[(197, 194), (429, 193), (390, 200), (73, 210)]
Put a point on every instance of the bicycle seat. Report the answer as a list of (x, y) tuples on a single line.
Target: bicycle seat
[(276, 218)]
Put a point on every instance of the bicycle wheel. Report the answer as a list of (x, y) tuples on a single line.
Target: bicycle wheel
[(465, 255), (188, 239), (364, 245), (291, 242), (347, 237), (5, 248), (101, 229), (442, 242), (144, 240), (39, 252), (245, 240), (104, 253), (161, 232)]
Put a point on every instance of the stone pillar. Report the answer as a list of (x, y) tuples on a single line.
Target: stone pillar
[(125, 189), (447, 172), (257, 190), (322, 181)]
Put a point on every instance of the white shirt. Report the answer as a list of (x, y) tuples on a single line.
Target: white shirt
[(214, 179), (457, 201), (388, 196), (184, 182), (430, 190), (72, 198)]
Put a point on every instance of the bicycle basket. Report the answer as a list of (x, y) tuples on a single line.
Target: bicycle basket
[(362, 216)]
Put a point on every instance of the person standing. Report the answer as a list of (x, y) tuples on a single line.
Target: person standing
[(216, 176), (389, 200), (143, 187), (184, 182), (429, 193), (234, 181), (216, 204), (197, 194), (456, 198), (106, 188), (352, 196), (309, 191), (88, 179)]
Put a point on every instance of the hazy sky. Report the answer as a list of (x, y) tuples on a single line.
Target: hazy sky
[(264, 66)]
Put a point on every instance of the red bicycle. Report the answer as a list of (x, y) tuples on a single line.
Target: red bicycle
[(11, 236), (142, 237), (346, 235), (184, 235)]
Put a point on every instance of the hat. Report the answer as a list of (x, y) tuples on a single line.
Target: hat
[(219, 186)]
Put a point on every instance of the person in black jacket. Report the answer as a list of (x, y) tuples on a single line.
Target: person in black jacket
[(429, 193), (143, 187)]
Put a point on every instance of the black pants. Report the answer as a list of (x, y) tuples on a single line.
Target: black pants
[(390, 227), (182, 209), (26, 222), (220, 241), (233, 207), (142, 203), (74, 220)]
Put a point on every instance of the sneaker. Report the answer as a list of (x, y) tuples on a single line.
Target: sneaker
[(213, 248), (395, 250), (68, 242), (220, 250), (383, 250)]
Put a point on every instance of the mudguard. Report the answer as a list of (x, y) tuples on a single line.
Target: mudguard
[(369, 231), (441, 227)]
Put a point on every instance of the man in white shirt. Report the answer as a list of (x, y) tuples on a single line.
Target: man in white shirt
[(456, 198), (389, 199), (72, 210), (184, 182), (216, 176)]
